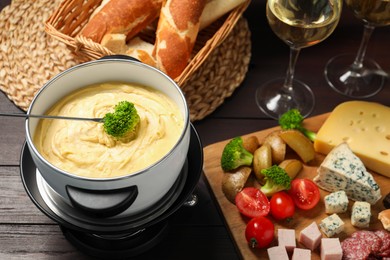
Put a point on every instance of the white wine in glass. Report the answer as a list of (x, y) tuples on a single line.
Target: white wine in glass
[(351, 74), (299, 24)]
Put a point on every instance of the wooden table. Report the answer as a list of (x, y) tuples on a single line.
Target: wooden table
[(196, 232)]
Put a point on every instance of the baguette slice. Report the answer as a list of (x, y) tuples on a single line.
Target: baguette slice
[(384, 217)]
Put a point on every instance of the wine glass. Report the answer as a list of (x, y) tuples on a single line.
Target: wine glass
[(349, 74), (300, 24)]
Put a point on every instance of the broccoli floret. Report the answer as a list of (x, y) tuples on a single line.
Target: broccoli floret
[(276, 179), (292, 119), (123, 122), (235, 155)]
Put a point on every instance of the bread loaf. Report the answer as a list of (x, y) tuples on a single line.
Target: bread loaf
[(122, 16), (97, 10), (116, 23), (177, 29)]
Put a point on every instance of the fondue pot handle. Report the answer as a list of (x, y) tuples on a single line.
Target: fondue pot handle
[(119, 56), (102, 203)]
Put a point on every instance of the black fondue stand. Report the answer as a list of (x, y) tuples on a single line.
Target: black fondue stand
[(93, 223)]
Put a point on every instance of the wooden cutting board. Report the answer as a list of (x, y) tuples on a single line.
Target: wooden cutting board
[(236, 222)]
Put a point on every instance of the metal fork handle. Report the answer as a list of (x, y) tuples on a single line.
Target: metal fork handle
[(96, 119)]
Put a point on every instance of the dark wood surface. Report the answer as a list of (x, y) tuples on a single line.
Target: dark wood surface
[(195, 232)]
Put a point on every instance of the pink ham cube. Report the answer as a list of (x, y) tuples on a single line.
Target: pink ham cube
[(331, 249), (310, 236), (277, 253), (301, 254), (286, 238)]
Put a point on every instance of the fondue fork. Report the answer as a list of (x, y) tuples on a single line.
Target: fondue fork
[(96, 119)]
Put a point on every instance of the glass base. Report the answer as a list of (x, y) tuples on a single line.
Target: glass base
[(353, 82), (273, 100)]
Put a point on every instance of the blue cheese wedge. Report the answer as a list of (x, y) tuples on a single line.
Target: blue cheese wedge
[(336, 202), (332, 225), (361, 214), (343, 170)]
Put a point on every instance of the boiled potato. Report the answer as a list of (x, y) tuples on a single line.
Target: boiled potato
[(262, 159), (299, 143), (234, 182), (278, 146), (292, 167), (250, 143)]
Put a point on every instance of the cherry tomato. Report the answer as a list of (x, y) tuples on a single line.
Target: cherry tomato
[(305, 193), (259, 232), (282, 205), (252, 202)]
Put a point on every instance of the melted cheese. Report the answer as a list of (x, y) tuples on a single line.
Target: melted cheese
[(365, 127), (83, 148)]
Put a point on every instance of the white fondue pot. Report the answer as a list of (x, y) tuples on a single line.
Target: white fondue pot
[(120, 196)]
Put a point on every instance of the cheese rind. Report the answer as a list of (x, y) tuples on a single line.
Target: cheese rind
[(343, 170), (365, 126), (361, 214)]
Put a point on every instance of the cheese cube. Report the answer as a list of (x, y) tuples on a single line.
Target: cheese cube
[(331, 249), (310, 236), (336, 202), (332, 225), (286, 238), (361, 214), (301, 254), (365, 127), (343, 170), (277, 253)]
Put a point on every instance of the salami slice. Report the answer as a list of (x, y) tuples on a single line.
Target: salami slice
[(355, 248), (385, 254), (370, 238), (385, 237)]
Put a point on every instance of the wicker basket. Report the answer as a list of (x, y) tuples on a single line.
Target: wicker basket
[(71, 16)]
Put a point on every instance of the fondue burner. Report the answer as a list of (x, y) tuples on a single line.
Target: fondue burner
[(119, 236)]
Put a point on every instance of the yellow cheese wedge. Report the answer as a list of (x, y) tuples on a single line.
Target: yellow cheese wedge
[(365, 126)]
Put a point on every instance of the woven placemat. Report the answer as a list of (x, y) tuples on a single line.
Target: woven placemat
[(29, 58)]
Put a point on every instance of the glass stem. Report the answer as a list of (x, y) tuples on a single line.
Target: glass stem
[(358, 62), (288, 82)]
